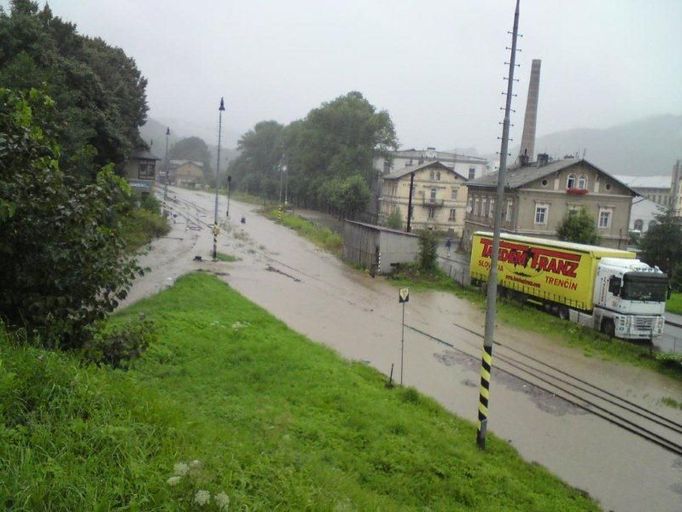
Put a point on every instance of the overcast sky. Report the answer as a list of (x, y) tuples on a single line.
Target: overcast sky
[(435, 65)]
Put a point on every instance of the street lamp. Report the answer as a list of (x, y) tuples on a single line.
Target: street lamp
[(229, 183), (221, 109), (286, 183), (165, 188)]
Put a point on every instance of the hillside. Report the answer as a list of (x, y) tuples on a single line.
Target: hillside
[(645, 147)]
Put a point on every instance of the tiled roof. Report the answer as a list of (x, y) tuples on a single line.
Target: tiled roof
[(520, 176), (395, 175)]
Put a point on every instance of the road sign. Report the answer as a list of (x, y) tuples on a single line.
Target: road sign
[(216, 230), (404, 295)]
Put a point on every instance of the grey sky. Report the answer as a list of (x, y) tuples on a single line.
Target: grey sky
[(435, 65)]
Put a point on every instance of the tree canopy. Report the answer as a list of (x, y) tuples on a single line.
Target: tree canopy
[(98, 91), (661, 245), (578, 226), (328, 155)]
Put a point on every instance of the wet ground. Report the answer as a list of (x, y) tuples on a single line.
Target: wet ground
[(359, 317)]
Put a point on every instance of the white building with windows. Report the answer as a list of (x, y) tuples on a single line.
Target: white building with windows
[(471, 167), (539, 195)]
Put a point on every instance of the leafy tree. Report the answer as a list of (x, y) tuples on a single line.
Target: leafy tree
[(258, 166), (578, 226), (98, 90), (428, 247), (63, 263), (394, 220), (662, 246)]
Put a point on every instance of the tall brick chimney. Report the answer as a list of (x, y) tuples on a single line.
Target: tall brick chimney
[(527, 152)]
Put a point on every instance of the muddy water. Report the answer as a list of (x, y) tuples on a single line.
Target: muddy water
[(360, 318)]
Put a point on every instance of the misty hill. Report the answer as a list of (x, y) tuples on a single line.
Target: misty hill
[(645, 147), (154, 133)]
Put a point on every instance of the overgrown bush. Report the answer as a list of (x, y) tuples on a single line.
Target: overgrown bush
[(140, 226), (394, 220), (63, 262), (118, 345), (150, 203), (428, 245)]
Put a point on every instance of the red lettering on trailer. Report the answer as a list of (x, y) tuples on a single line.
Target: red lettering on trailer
[(541, 259)]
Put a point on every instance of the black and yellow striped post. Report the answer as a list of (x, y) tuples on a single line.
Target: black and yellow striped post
[(484, 395), (488, 337)]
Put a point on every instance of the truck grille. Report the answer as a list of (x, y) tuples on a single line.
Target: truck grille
[(644, 323)]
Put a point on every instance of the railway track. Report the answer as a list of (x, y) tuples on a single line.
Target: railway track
[(617, 410), (603, 403)]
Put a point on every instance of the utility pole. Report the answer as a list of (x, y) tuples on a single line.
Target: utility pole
[(165, 188), (286, 183), (221, 109), (409, 204), (487, 357)]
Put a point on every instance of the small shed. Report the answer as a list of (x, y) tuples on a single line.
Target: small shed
[(140, 171), (376, 247)]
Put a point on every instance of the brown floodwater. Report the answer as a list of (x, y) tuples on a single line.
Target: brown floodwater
[(360, 318)]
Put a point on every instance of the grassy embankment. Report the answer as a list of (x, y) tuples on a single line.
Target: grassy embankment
[(674, 304), (321, 236), (276, 421), (591, 342)]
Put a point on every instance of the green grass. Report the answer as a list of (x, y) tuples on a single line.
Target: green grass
[(321, 236), (141, 226), (276, 421), (226, 257), (674, 303), (671, 402), (591, 342)]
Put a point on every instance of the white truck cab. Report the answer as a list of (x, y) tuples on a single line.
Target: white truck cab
[(629, 298)]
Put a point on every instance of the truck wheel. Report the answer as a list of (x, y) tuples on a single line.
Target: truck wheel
[(608, 327), (563, 312)]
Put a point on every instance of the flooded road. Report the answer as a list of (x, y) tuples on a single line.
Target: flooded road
[(359, 317)]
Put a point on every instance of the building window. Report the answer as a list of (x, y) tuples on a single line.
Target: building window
[(605, 217), (477, 207), (491, 208), (145, 170), (432, 211), (433, 195), (470, 205), (472, 173), (541, 213), (484, 207), (582, 182), (432, 175), (652, 223), (570, 181), (453, 194), (508, 212), (639, 225), (387, 166), (544, 183), (438, 176), (452, 216)]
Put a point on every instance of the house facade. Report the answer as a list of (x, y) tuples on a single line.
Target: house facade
[(188, 174), (438, 197), (140, 171), (538, 196)]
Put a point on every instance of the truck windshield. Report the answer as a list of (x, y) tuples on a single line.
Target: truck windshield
[(644, 287)]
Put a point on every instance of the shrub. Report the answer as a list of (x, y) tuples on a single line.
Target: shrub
[(117, 345), (394, 220), (428, 244), (150, 203)]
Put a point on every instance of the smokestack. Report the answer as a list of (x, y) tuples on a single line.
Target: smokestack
[(527, 152)]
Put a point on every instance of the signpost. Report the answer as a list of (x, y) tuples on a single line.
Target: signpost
[(403, 297)]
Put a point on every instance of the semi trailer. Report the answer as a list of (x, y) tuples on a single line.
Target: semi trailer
[(607, 289)]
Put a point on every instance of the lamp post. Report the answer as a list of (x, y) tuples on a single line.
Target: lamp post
[(286, 183), (165, 188), (221, 109), (229, 186)]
